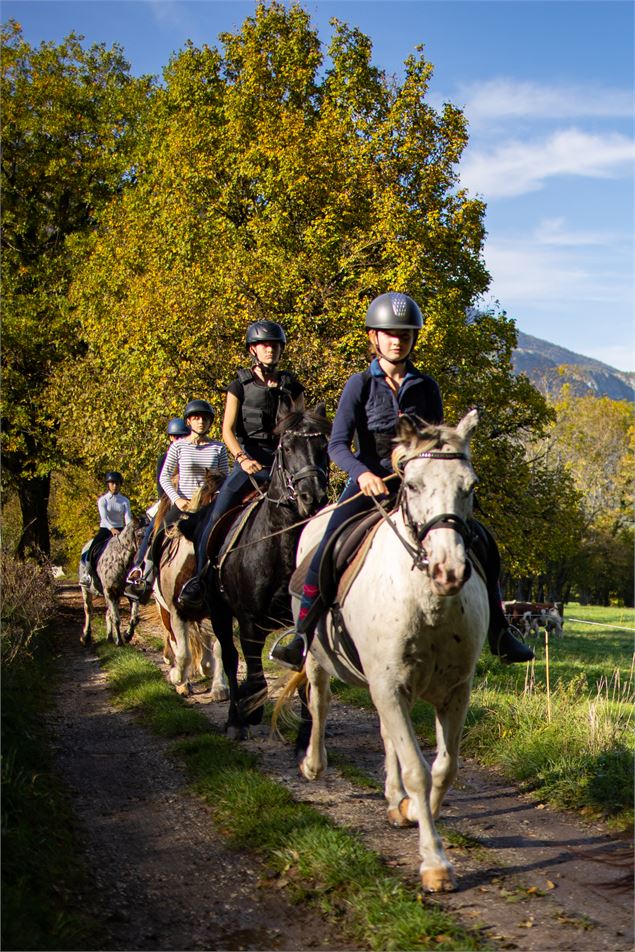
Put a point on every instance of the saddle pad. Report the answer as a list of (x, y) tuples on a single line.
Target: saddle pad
[(234, 532), (352, 570)]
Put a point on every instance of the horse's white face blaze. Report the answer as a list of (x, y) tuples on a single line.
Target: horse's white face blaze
[(432, 487)]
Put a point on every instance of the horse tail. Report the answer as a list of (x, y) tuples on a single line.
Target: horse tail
[(282, 710)]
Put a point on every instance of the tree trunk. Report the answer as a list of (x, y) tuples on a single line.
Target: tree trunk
[(34, 503)]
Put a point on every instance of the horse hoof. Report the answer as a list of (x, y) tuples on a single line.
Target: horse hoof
[(218, 694), (398, 816), (438, 880), (185, 689)]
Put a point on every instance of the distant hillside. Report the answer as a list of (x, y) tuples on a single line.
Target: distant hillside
[(542, 362)]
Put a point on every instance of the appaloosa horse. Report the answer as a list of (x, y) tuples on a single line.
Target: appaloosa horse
[(411, 626), (189, 645), (112, 569), (252, 582)]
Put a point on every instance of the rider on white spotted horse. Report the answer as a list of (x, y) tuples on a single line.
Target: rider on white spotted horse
[(369, 408)]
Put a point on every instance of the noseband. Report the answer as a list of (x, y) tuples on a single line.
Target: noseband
[(445, 520), (290, 479)]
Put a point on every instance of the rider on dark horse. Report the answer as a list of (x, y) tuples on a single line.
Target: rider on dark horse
[(114, 514), (369, 408), (192, 456), (251, 411)]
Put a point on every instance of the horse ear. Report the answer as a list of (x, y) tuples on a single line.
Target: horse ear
[(468, 424), (320, 409)]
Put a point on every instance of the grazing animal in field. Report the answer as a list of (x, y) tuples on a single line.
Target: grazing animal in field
[(188, 644), (251, 582), (410, 625), (530, 617), (112, 569)]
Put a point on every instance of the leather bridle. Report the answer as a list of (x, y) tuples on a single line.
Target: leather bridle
[(292, 479)]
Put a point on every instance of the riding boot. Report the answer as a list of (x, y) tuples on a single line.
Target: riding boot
[(192, 594), (508, 648), (140, 581), (294, 654)]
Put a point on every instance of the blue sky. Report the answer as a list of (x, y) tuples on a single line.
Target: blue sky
[(547, 87)]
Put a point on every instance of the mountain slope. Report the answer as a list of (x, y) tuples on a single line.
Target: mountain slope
[(550, 367)]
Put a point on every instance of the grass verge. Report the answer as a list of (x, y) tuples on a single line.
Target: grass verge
[(314, 860), (41, 873)]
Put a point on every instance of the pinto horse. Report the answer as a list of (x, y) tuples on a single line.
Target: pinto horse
[(112, 569), (188, 644), (416, 616), (252, 582)]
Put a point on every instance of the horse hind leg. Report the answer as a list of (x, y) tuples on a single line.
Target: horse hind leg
[(219, 688), (312, 762), (113, 620), (449, 727), (401, 809)]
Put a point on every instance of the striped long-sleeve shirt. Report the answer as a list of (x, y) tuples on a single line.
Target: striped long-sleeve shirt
[(191, 460)]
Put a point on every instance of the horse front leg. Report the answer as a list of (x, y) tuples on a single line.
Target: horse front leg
[(312, 761), (435, 870), (180, 670), (222, 625), (134, 620), (252, 693), (449, 726), (401, 809), (87, 598)]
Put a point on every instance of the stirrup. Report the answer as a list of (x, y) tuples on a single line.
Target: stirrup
[(285, 634)]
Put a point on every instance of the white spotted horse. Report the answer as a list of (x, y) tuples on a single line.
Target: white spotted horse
[(410, 625), (249, 579), (113, 565)]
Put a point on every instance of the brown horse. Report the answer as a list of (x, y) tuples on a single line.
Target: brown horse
[(188, 644)]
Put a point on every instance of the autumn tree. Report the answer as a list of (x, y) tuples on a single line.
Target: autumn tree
[(280, 180), (593, 439), (66, 135)]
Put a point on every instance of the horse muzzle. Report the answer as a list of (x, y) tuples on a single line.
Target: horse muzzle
[(449, 580)]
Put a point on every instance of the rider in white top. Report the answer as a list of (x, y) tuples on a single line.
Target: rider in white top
[(114, 510)]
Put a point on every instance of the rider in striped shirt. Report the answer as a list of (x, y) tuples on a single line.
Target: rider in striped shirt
[(192, 456)]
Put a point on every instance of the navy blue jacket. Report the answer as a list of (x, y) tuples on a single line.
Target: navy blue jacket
[(367, 415)]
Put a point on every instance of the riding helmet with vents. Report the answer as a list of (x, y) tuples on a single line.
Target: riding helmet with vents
[(200, 408), (112, 476), (178, 427), (265, 332), (393, 312)]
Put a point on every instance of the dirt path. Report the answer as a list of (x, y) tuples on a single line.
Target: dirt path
[(522, 882), (163, 878)]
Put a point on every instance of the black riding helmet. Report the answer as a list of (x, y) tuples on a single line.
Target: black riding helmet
[(265, 332), (178, 427), (393, 312), (200, 407), (112, 476)]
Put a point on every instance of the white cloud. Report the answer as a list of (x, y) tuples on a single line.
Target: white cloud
[(508, 98), (552, 231), (515, 167)]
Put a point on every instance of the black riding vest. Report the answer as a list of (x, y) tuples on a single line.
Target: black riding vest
[(259, 411)]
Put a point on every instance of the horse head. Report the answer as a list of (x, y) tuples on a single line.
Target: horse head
[(207, 490), (437, 496), (299, 475)]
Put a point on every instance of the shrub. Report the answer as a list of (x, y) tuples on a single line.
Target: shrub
[(28, 603)]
